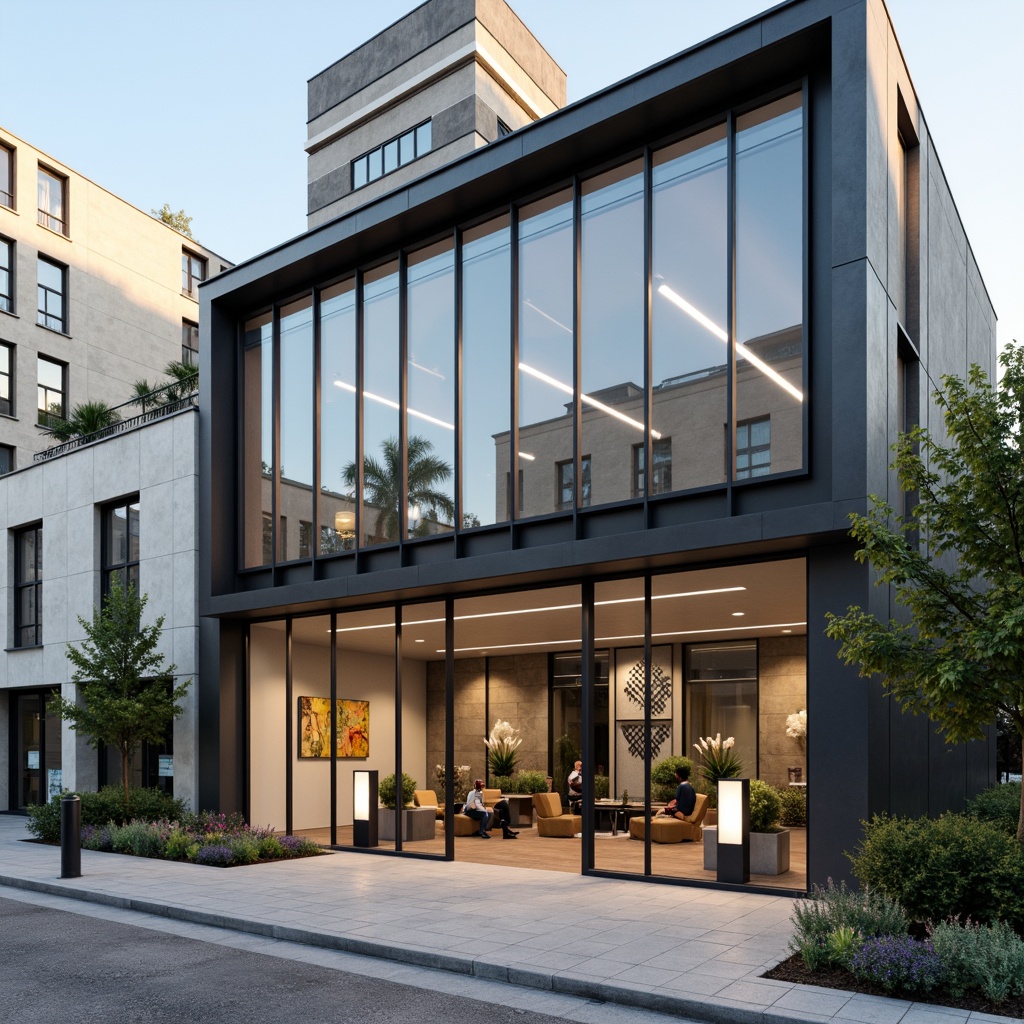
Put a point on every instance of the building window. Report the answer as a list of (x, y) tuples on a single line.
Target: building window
[(6, 459), (6, 275), (6, 176), (503, 129), (28, 587), (394, 153), (566, 489), (305, 539), (52, 293), (193, 272), (6, 379), (189, 343), (120, 548), (53, 201), (661, 477), (51, 390), (753, 448)]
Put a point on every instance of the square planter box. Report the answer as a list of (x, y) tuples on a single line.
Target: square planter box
[(417, 823), (769, 852)]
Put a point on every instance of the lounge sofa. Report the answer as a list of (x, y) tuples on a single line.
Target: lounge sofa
[(551, 822), (673, 830), (466, 826), (428, 798)]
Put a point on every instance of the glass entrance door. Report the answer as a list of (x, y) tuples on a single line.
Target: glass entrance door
[(36, 767)]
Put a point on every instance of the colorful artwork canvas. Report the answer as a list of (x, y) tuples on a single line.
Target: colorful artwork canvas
[(353, 727)]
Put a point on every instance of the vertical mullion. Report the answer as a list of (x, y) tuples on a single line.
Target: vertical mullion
[(403, 385), (587, 752), (314, 540), (399, 802), (648, 448), (334, 728), (288, 723), (449, 729), (457, 260), (730, 439), (514, 499), (247, 712), (647, 722), (577, 362), (275, 416), (360, 366)]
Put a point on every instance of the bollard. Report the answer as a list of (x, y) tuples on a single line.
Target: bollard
[(70, 837)]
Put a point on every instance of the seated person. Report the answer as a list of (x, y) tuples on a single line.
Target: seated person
[(685, 799), (474, 808), (576, 787)]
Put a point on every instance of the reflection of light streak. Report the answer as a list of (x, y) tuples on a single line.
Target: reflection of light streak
[(426, 369), (586, 399), (527, 456), (394, 405), (741, 349), (549, 608), (547, 316)]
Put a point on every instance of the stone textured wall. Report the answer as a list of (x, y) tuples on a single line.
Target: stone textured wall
[(783, 690), (518, 694)]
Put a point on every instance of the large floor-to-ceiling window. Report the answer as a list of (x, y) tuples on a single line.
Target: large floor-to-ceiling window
[(647, 315)]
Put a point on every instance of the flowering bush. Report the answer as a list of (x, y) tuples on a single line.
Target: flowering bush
[(503, 748), (717, 759), (898, 963), (216, 855), (796, 727)]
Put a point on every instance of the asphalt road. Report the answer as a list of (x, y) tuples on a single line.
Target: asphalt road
[(64, 967)]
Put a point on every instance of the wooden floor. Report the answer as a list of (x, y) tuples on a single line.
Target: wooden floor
[(619, 853)]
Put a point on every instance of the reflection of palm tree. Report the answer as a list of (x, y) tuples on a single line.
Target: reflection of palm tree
[(382, 483)]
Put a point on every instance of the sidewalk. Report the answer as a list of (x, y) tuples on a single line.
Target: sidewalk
[(694, 953)]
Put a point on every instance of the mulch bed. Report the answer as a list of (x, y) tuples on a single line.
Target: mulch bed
[(796, 971)]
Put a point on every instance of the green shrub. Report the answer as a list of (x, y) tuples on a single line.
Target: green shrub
[(794, 807), (180, 846), (953, 866), (528, 781), (271, 848), (246, 849), (100, 808), (663, 777), (842, 943), (987, 958), (1000, 805), (835, 908), (387, 790), (601, 787), (765, 807), (504, 783), (139, 838)]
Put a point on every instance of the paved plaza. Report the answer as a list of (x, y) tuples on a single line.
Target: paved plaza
[(695, 953)]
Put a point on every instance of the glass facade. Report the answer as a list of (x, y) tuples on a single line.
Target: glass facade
[(651, 314)]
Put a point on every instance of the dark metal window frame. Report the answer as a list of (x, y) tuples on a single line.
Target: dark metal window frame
[(43, 413), (6, 456), (749, 450), (47, 219), (22, 585), (7, 198), (44, 318), (361, 181), (193, 271), (127, 567), (8, 268), (7, 380), (189, 333)]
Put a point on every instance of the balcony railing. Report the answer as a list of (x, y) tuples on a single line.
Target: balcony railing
[(173, 397)]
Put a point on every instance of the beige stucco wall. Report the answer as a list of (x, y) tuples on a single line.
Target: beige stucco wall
[(782, 691)]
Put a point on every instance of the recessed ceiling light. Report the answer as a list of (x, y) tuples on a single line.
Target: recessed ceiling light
[(421, 641), (787, 631), (738, 615)]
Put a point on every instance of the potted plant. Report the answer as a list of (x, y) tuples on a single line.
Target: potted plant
[(387, 793), (460, 783), (769, 844), (503, 748), (718, 760)]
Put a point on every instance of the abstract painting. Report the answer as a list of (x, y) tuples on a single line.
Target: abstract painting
[(352, 718)]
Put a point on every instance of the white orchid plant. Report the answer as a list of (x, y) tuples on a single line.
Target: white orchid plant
[(796, 727), (503, 748), (717, 759)]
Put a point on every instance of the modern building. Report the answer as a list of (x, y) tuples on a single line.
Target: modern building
[(451, 76), (566, 433), (94, 295)]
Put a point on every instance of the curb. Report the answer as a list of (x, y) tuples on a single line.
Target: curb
[(663, 1002)]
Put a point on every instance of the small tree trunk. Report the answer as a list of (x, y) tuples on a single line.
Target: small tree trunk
[(126, 765), (1020, 815)]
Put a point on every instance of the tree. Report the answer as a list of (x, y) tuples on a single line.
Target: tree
[(383, 480), (180, 221), (127, 695), (86, 418), (184, 379), (960, 658)]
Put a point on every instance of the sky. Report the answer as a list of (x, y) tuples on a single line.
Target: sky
[(202, 103)]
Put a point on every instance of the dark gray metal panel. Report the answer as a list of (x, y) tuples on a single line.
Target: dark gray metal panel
[(417, 31), (847, 388), (838, 747), (221, 690), (849, 114)]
